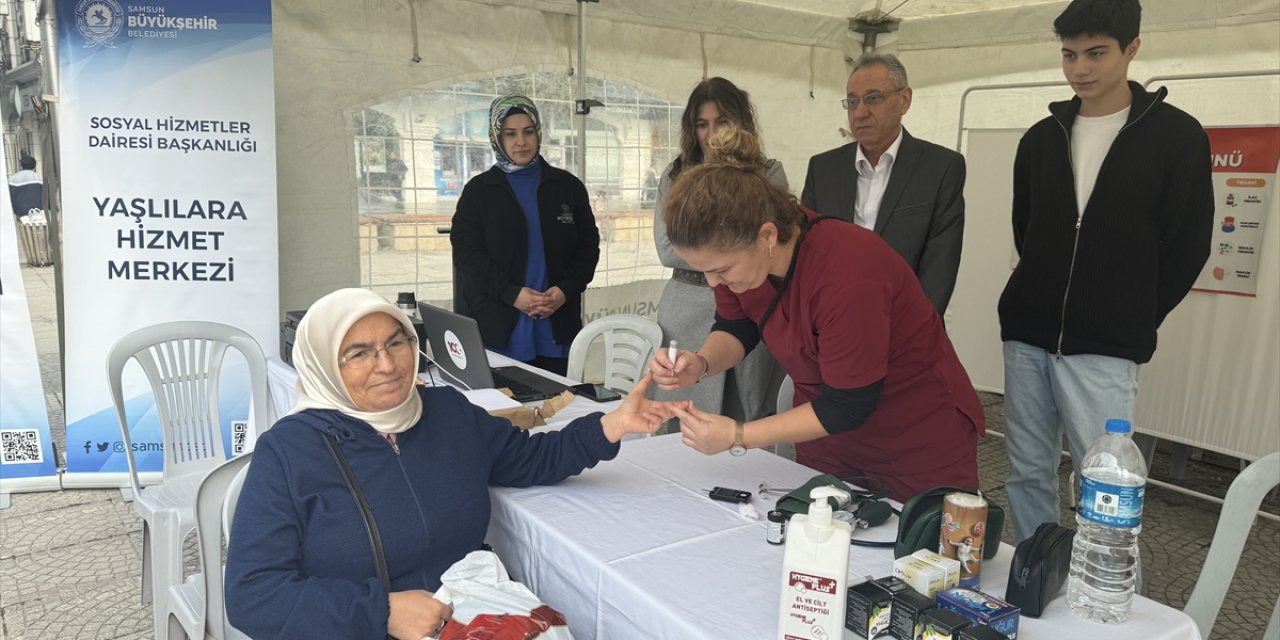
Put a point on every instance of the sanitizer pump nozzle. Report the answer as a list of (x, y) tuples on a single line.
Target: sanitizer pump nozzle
[(820, 510)]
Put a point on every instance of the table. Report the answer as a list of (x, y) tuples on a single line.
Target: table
[(635, 549)]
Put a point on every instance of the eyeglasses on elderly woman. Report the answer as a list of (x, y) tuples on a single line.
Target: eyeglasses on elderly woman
[(359, 358)]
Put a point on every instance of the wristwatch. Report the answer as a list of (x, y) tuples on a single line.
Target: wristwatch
[(739, 447)]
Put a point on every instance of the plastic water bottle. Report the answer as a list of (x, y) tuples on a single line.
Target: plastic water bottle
[(1104, 558)]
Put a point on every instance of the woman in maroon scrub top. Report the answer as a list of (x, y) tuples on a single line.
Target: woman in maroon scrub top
[(879, 390)]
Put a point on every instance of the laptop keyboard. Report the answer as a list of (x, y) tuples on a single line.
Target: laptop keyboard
[(518, 389)]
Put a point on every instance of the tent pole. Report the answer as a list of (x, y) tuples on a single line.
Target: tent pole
[(46, 14), (582, 91)]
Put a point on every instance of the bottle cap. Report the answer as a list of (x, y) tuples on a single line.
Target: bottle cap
[(1116, 425), (406, 298)]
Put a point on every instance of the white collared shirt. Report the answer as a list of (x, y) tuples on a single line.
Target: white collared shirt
[(872, 182)]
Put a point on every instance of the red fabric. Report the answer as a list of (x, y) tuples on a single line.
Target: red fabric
[(854, 314), (504, 626), (488, 626)]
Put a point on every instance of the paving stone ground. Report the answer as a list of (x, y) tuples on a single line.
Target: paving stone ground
[(70, 561)]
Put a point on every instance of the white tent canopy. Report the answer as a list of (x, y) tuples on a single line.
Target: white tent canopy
[(334, 58)]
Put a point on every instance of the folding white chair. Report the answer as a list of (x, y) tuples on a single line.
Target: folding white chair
[(1243, 499), (629, 344), (183, 363), (197, 607)]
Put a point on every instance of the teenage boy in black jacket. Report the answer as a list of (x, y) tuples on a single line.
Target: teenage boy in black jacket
[(1112, 217)]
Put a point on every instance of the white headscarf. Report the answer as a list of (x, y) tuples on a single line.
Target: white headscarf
[(315, 356)]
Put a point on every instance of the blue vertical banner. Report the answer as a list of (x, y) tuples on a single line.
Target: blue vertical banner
[(167, 138), (26, 449)]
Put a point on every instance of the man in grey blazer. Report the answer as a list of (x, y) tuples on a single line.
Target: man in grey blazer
[(909, 191)]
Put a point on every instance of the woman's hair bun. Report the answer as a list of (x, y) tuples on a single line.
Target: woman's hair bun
[(735, 147)]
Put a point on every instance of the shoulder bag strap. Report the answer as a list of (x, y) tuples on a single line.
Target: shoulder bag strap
[(371, 527)]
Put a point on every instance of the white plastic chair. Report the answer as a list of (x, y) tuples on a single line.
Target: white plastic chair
[(1243, 499), (786, 393), (629, 344), (193, 612), (183, 363)]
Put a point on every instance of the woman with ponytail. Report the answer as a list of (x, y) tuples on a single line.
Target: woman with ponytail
[(879, 390)]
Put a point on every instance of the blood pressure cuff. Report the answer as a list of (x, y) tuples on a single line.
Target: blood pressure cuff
[(865, 504), (798, 500)]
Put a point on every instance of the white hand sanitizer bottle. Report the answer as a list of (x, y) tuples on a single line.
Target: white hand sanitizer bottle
[(815, 572)]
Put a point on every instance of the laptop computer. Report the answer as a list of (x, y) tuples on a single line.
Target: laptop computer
[(455, 346)]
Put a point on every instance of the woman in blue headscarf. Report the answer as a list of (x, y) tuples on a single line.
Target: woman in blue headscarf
[(525, 244)]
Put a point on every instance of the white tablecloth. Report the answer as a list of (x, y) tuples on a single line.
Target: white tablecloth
[(635, 549)]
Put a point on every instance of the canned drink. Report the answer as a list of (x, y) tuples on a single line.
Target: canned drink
[(963, 531)]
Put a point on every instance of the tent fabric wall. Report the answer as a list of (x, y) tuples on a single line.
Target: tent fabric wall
[(942, 67)]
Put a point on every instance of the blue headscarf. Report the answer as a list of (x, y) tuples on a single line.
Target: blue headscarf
[(498, 111)]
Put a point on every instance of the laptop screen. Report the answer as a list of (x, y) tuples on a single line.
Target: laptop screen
[(456, 346)]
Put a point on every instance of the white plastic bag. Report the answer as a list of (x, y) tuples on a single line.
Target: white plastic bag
[(480, 585)]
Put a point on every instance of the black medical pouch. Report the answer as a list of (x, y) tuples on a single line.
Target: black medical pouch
[(1040, 567)]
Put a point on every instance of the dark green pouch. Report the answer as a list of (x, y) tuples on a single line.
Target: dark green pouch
[(920, 523), (798, 500)]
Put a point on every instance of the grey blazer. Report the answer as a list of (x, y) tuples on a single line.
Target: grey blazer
[(921, 215)]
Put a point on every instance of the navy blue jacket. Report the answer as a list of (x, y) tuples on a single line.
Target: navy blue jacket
[(299, 563)]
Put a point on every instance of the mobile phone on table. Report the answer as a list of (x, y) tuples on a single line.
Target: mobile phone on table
[(725, 494), (597, 392)]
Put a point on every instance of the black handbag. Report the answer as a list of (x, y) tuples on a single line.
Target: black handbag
[(1040, 566), (920, 523)]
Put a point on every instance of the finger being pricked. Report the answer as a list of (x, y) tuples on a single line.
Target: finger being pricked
[(687, 411)]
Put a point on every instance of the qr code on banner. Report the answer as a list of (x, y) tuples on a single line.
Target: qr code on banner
[(239, 435), (20, 446)]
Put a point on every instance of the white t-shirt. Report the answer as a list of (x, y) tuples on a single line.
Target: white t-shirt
[(1091, 138)]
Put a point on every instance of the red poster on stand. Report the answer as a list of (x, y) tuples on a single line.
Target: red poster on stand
[(1244, 185)]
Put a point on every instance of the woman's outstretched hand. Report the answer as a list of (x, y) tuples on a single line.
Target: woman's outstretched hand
[(637, 414)]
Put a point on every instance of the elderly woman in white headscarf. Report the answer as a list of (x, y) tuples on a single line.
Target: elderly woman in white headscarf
[(300, 562)]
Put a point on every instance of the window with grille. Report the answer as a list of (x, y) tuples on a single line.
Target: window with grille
[(415, 153)]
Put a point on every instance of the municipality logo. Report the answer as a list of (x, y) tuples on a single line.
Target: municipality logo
[(99, 21)]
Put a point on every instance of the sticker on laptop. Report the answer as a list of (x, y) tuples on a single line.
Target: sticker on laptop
[(454, 346)]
